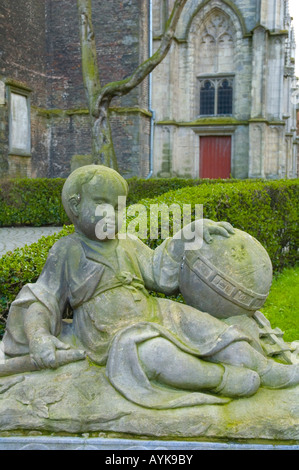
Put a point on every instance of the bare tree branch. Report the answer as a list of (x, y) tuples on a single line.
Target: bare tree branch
[(98, 97), (123, 87), (102, 144)]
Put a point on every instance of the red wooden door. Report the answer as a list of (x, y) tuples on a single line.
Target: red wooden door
[(215, 157)]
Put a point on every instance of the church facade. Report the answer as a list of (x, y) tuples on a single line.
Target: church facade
[(224, 96), (221, 104)]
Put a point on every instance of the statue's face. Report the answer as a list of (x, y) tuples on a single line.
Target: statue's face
[(100, 210)]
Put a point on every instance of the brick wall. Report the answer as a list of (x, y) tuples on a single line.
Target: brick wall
[(22, 45), (131, 137), (39, 46), (3, 141), (121, 37), (117, 25), (22, 53)]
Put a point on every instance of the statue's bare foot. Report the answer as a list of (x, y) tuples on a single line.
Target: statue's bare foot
[(280, 375)]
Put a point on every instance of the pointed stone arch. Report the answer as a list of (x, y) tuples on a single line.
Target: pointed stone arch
[(194, 10), (212, 39)]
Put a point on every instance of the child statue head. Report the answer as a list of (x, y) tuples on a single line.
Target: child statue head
[(93, 197)]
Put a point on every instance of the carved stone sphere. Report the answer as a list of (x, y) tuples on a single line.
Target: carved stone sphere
[(227, 277)]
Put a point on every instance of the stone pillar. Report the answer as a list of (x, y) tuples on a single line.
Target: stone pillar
[(274, 152), (257, 149), (295, 156), (3, 132), (259, 64), (257, 126), (275, 71), (289, 155), (163, 151), (272, 14)]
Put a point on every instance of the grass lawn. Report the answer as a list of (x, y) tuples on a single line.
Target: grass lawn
[(282, 305)]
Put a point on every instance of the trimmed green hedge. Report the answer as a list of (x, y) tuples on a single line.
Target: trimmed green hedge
[(153, 187), (267, 210), (23, 266), (37, 202)]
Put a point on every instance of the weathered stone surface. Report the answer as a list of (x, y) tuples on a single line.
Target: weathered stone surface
[(78, 398), (46, 57), (155, 367), (101, 443), (245, 46)]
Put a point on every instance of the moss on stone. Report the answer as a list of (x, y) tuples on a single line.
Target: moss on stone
[(267, 121), (282, 32), (208, 121), (56, 112), (17, 84), (78, 161), (71, 112), (128, 110)]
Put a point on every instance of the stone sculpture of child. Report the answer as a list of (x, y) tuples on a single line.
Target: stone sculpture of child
[(157, 353)]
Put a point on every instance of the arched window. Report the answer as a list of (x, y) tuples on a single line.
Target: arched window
[(225, 97), (207, 98), (216, 96)]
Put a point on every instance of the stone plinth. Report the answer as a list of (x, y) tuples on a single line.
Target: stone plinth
[(78, 398)]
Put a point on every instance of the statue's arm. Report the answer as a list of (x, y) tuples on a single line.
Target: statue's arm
[(193, 234), (159, 270), (35, 317), (36, 322), (42, 343), (160, 267)]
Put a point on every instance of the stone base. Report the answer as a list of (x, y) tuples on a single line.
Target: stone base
[(80, 443), (78, 398)]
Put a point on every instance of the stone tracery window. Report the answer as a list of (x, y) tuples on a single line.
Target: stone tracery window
[(216, 96), (217, 27), (217, 43)]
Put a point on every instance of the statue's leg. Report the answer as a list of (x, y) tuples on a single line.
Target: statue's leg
[(272, 373), (240, 354), (167, 364)]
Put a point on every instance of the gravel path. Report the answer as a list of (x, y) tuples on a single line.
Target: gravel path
[(17, 237)]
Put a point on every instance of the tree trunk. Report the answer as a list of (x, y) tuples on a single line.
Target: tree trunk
[(102, 143), (99, 98)]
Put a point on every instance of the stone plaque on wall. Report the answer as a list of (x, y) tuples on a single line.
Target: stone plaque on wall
[(2, 93), (19, 124)]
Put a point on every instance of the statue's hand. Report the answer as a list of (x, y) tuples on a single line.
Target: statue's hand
[(192, 235), (43, 350), (207, 227)]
